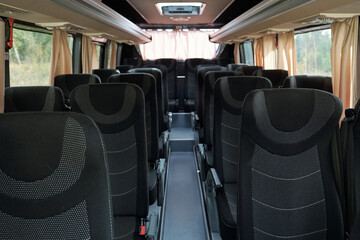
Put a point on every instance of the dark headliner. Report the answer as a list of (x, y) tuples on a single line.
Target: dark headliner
[(234, 10)]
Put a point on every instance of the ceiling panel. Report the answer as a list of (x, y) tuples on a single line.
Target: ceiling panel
[(149, 12)]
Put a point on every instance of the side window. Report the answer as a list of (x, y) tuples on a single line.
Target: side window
[(248, 52), (30, 58), (313, 52)]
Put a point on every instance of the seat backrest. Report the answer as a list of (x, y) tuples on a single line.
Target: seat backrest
[(68, 82), (209, 84), (124, 68), (42, 98), (159, 92), (234, 66), (171, 76), (276, 76), (247, 70), (136, 62), (118, 110), (147, 83), (104, 73), (191, 65), (200, 89), (303, 81), (288, 149), (229, 94), (53, 178), (165, 86), (223, 61)]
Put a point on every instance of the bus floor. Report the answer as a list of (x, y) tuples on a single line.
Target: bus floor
[(183, 214)]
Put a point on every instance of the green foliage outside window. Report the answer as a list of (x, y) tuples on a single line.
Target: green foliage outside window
[(313, 53), (30, 59)]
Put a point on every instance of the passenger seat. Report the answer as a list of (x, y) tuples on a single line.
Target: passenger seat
[(171, 82), (289, 166), (104, 74), (229, 94), (305, 81), (68, 82), (54, 180), (119, 111), (276, 76), (39, 98), (248, 70)]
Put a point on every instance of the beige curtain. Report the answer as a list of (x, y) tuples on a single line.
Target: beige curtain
[(259, 52), (287, 52), (86, 54), (269, 52), (237, 53), (178, 45), (264, 52), (95, 61), (113, 55), (344, 35), (61, 60), (2, 66)]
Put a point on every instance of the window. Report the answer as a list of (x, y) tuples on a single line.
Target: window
[(30, 58), (248, 52), (313, 52), (71, 43)]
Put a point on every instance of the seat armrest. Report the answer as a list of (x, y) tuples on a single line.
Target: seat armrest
[(215, 178)]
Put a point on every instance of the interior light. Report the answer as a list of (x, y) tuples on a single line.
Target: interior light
[(180, 8)]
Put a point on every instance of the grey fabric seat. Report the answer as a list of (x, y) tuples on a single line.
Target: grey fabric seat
[(53, 178), (288, 166), (276, 76), (118, 110), (305, 81), (159, 93), (200, 88), (104, 73), (42, 98), (248, 70), (234, 66), (68, 82), (124, 68), (229, 94), (147, 83), (171, 82)]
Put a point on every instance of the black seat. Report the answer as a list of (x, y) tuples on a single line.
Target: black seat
[(247, 70), (42, 98), (147, 83), (124, 68), (200, 88), (171, 81), (276, 76), (224, 62), (304, 81), (53, 178), (288, 149), (229, 94), (68, 82), (234, 66), (104, 73), (118, 110), (136, 62), (159, 93)]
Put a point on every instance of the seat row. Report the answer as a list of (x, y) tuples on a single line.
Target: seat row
[(272, 161)]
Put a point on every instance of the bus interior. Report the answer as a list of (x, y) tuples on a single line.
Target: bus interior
[(180, 120)]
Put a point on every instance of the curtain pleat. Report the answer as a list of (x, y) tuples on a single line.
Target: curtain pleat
[(237, 53), (344, 35), (287, 52), (95, 61), (61, 60), (113, 55), (269, 52), (259, 52), (86, 54), (178, 45)]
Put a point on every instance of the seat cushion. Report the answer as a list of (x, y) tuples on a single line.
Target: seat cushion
[(226, 202), (127, 228), (152, 185)]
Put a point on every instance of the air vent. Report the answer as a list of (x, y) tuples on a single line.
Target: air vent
[(181, 8)]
